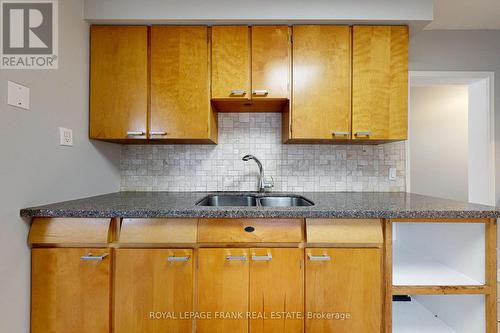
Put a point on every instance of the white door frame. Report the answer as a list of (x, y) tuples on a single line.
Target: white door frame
[(430, 78)]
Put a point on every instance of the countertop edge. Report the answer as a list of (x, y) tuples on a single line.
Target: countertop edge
[(431, 214)]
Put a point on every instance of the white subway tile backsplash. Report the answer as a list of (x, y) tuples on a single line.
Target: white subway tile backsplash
[(295, 168)]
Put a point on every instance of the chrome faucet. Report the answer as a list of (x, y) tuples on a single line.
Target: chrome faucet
[(263, 184)]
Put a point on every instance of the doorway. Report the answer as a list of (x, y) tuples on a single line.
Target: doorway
[(450, 147)]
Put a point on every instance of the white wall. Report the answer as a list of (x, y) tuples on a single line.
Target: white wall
[(481, 161), (439, 141), (34, 169), (165, 10)]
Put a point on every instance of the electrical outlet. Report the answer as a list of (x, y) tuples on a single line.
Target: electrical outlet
[(392, 173), (65, 136), (18, 95)]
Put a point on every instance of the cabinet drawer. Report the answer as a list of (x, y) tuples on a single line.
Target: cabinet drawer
[(69, 231), (250, 230), (346, 232), (158, 231)]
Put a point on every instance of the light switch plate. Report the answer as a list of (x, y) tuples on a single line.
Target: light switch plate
[(392, 173), (65, 136), (18, 95)]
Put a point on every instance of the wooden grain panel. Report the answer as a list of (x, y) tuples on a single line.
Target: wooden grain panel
[(491, 276), (222, 287), (344, 231), (158, 231), (68, 231), (230, 61), (321, 100), (146, 282), (387, 276), (271, 65), (69, 294), (180, 83), (350, 283), (380, 82), (265, 230), (118, 81), (277, 286)]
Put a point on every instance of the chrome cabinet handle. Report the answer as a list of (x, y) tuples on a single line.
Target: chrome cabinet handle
[(260, 92), (267, 257), (160, 133), (236, 258), (319, 258), (340, 133), (238, 92), (363, 133), (135, 133), (178, 259), (91, 257)]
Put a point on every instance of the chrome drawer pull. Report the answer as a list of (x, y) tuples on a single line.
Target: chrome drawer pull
[(178, 259), (90, 257), (260, 92), (236, 258), (365, 133), (340, 133), (238, 92), (135, 133), (319, 258), (158, 133), (267, 257)]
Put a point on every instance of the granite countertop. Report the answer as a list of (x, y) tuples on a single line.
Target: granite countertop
[(327, 205)]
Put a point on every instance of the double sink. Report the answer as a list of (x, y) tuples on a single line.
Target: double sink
[(237, 200)]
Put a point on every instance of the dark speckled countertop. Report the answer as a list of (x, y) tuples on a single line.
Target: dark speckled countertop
[(327, 205)]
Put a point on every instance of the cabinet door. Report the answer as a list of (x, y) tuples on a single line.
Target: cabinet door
[(223, 290), (231, 62), (180, 92), (70, 290), (276, 290), (321, 108), (343, 290), (380, 82), (152, 289), (118, 82), (270, 62)]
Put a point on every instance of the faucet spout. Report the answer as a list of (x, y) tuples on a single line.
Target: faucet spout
[(263, 185)]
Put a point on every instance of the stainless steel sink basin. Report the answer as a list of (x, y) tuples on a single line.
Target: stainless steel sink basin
[(228, 200), (234, 200), (295, 201)]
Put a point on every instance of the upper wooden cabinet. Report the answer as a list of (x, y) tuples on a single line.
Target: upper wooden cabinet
[(167, 83), (180, 84), (118, 82), (70, 290), (250, 65), (231, 62), (270, 62), (321, 100), (380, 83)]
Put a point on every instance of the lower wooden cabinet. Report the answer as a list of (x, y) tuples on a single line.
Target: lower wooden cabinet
[(277, 290), (251, 290), (154, 290), (223, 289), (233, 290), (343, 290), (70, 290)]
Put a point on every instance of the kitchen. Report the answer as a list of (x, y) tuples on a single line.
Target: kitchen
[(249, 169)]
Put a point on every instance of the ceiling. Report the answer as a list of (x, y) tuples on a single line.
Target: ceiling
[(466, 15)]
